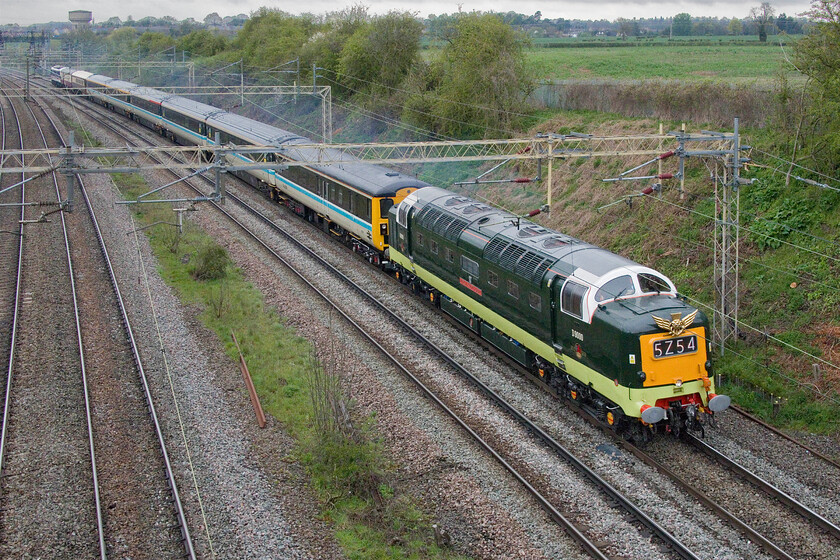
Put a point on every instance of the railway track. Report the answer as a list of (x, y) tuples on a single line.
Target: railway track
[(48, 482), (650, 527), (144, 517), (741, 525)]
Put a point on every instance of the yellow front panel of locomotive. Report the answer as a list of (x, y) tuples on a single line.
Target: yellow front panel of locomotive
[(667, 370)]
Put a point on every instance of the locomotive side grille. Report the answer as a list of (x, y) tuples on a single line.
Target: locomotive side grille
[(540, 270), (494, 249), (511, 255), (443, 223), (454, 230), (528, 264), (428, 216)]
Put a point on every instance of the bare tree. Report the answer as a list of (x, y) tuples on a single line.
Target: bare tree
[(763, 16)]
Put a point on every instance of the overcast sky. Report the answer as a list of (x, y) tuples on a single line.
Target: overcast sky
[(25, 12)]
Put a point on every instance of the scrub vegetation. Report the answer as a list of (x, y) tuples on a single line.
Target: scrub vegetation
[(299, 385)]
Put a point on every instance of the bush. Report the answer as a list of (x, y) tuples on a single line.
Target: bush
[(211, 263)]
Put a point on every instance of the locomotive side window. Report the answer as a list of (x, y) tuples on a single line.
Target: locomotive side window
[(535, 301), (513, 289), (450, 255), (572, 298), (419, 239), (469, 266), (434, 246), (492, 278), (621, 286), (652, 283)]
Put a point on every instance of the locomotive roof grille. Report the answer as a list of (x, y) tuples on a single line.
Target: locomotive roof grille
[(539, 271), (510, 256), (455, 229), (528, 264), (493, 250)]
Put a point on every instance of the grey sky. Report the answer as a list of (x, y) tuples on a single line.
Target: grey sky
[(25, 12)]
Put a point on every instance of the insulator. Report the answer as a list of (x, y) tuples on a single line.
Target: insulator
[(665, 176), (522, 180), (648, 190), (666, 155), (533, 213)]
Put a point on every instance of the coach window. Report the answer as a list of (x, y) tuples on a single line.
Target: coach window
[(434, 246), (469, 266), (535, 301), (492, 278), (572, 298), (385, 205), (513, 289), (419, 239)]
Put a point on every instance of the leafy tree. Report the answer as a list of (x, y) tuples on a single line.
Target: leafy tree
[(681, 26), (763, 17), (121, 41), (202, 43), (151, 43), (628, 27), (735, 27), (325, 47), (380, 54), (818, 56), (272, 37), (478, 83)]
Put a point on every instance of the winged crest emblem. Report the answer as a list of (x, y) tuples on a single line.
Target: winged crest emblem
[(676, 325)]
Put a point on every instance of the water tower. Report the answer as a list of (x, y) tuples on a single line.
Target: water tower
[(81, 18)]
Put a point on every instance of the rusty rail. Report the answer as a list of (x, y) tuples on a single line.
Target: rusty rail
[(246, 375)]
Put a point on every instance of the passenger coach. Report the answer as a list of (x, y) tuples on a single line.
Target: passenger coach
[(350, 199)]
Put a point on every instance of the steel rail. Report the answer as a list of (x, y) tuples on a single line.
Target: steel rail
[(71, 271), (170, 475), (85, 390), (783, 435), (16, 311), (555, 446), (766, 487), (590, 547)]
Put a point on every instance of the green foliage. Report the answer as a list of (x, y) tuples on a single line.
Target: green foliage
[(151, 43), (272, 37), (818, 57), (681, 24), (211, 263), (379, 55), (121, 41), (203, 43), (477, 84), (372, 520)]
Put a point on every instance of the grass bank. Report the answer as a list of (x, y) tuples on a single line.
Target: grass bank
[(372, 519)]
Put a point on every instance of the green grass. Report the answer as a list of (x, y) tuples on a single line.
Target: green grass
[(727, 62), (279, 360)]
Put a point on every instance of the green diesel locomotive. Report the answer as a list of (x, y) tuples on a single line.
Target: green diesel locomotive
[(600, 329)]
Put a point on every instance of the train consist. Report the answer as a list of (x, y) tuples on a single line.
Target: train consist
[(350, 200), (605, 332)]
